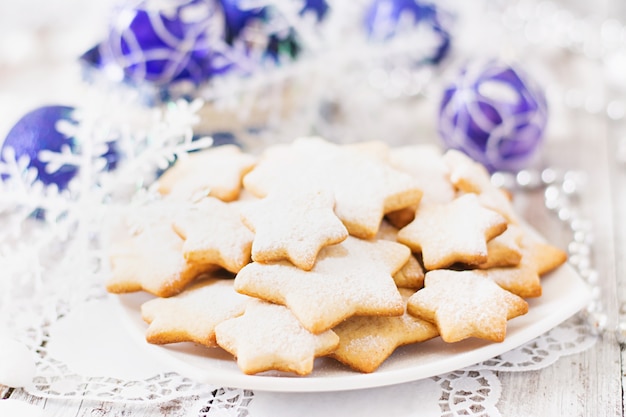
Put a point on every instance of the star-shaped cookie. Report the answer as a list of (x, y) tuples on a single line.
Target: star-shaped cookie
[(538, 258), (214, 234), (351, 278), (361, 200), (152, 261), (294, 225), (192, 315), (215, 171), (465, 304), (268, 337), (365, 342), (454, 232)]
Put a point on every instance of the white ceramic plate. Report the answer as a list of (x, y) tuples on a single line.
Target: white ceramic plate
[(564, 294)]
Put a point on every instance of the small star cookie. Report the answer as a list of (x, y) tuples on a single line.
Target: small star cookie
[(365, 188), (152, 261), (215, 172), (351, 278), (268, 337), (213, 233), (365, 342), (192, 315), (293, 225), (538, 258), (465, 304), (456, 232)]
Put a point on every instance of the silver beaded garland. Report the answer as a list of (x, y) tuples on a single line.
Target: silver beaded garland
[(561, 189)]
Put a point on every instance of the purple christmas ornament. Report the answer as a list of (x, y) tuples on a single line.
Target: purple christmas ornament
[(161, 42), (495, 114), (386, 19), (39, 131), (36, 131)]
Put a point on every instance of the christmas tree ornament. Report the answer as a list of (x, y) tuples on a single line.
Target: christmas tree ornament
[(386, 20), (162, 42), (45, 140), (495, 113), (37, 132)]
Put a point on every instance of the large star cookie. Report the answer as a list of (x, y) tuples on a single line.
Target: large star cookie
[(465, 304), (365, 342), (192, 315), (153, 261), (456, 232), (215, 171), (351, 278), (293, 225), (365, 188), (268, 337), (214, 234)]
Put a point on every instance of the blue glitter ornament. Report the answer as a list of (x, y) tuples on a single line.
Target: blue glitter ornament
[(387, 19), (39, 131), (495, 114), (161, 42)]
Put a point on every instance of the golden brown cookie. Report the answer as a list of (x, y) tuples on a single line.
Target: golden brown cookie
[(365, 342), (192, 315), (538, 258), (150, 258), (215, 172), (214, 234), (268, 337), (294, 225), (465, 304), (456, 232), (364, 187), (351, 278)]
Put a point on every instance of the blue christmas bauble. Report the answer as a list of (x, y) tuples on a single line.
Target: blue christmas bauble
[(495, 113), (39, 130), (387, 19), (161, 42)]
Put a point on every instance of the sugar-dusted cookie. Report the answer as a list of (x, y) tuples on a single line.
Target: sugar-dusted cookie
[(465, 304), (538, 258), (455, 232), (268, 337), (411, 275), (365, 342), (470, 176), (214, 171), (505, 249), (364, 187), (146, 254), (213, 233), (192, 315), (293, 224), (351, 278)]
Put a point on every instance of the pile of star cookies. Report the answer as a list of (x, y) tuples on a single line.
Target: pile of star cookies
[(317, 249)]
